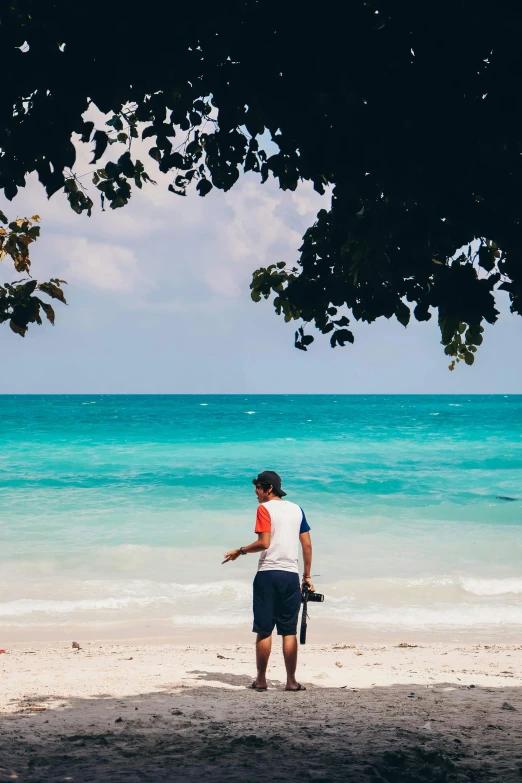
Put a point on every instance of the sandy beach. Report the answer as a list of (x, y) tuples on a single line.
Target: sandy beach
[(133, 712)]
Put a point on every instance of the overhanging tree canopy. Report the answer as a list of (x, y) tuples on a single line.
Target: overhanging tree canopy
[(408, 111)]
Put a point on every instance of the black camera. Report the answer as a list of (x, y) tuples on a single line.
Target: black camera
[(306, 596)]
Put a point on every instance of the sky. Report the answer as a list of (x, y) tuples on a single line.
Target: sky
[(159, 302)]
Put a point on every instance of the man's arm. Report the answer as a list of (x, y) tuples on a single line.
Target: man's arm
[(306, 544), (262, 543)]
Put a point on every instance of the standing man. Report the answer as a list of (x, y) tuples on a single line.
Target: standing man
[(280, 525)]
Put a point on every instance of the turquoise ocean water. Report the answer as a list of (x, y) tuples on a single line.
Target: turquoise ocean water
[(116, 510)]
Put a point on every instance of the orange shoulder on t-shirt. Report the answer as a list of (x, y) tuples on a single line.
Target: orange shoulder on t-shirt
[(263, 521)]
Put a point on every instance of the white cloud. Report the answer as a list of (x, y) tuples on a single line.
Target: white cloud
[(257, 232), (255, 226), (192, 247), (100, 265), (229, 235)]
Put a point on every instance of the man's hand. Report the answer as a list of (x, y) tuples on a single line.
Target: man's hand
[(232, 555), (262, 543), (308, 581)]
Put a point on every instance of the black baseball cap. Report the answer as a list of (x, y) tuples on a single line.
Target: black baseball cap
[(272, 478)]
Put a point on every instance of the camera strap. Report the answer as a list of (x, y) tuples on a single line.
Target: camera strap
[(304, 619)]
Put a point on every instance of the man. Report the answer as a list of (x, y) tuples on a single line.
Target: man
[(280, 525)]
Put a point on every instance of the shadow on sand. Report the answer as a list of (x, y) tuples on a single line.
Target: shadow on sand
[(397, 734), (238, 680)]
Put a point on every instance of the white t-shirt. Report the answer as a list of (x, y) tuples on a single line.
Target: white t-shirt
[(284, 521)]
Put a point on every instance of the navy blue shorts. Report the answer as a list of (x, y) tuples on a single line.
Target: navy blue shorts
[(277, 600)]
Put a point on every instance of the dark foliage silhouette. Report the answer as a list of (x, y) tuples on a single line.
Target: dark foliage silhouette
[(407, 112)]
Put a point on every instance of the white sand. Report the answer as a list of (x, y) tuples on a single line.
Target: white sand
[(134, 712)]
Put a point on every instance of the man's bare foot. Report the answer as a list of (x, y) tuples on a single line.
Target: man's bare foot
[(294, 686), (259, 685)]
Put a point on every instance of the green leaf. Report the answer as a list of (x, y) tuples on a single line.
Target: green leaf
[(21, 330), (298, 342), (86, 131), (115, 122), (112, 170), (194, 148), (172, 189), (29, 287), (48, 310), (126, 165), (340, 337), (203, 187), (52, 290), (101, 140), (176, 161)]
